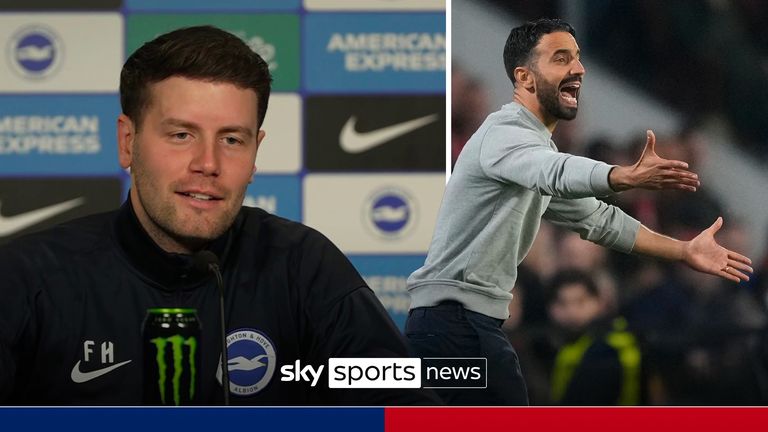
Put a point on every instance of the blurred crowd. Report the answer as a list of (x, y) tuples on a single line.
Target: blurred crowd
[(597, 327), (706, 57)]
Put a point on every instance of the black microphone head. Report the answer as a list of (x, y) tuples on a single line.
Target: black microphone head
[(204, 260)]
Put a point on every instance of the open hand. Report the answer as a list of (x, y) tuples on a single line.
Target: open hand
[(705, 255), (654, 172)]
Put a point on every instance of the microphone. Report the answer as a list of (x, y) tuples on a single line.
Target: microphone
[(205, 261)]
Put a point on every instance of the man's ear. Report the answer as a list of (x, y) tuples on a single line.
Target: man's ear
[(126, 135), (259, 138), (524, 78)]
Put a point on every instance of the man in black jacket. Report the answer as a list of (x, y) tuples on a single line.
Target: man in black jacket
[(74, 297), (598, 361)]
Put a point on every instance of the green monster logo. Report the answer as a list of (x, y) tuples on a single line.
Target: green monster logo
[(177, 344)]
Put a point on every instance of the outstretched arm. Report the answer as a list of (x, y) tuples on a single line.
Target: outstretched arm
[(653, 172), (702, 253)]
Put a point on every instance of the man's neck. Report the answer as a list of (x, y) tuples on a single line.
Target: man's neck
[(531, 103)]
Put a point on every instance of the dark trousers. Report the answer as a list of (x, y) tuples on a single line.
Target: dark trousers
[(449, 330)]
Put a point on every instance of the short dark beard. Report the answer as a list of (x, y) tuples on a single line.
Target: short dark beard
[(549, 97)]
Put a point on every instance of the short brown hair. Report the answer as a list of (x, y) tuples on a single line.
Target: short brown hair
[(203, 52)]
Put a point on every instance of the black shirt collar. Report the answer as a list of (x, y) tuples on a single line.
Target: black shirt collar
[(171, 271)]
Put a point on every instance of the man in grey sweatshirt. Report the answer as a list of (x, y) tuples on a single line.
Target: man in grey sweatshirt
[(510, 175)]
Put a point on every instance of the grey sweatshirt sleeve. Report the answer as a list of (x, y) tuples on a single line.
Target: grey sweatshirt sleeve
[(595, 221), (513, 154)]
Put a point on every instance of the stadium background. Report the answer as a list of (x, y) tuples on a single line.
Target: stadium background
[(366, 64), (695, 73)]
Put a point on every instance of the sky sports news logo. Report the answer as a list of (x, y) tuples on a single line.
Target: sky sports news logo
[(428, 372)]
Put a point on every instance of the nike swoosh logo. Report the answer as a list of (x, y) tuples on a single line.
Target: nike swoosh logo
[(354, 142), (13, 224), (81, 377)]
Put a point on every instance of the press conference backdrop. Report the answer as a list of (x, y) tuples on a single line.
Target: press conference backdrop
[(355, 141)]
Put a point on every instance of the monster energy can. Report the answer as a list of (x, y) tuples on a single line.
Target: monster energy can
[(171, 357)]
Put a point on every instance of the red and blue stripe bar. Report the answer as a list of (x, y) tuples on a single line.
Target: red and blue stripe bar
[(443, 419)]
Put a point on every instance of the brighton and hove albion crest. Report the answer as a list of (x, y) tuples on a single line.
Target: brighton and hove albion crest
[(390, 213), (252, 362), (35, 52)]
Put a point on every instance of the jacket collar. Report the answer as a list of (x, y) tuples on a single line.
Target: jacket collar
[(536, 123), (170, 271)]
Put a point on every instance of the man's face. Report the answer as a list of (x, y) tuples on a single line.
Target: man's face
[(191, 159), (558, 73), (574, 308)]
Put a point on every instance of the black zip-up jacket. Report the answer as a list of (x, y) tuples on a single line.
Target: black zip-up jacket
[(73, 300)]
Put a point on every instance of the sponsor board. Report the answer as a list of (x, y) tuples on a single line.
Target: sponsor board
[(125, 177), (274, 36), (374, 52), (279, 195), (372, 5), (58, 53), (280, 152), (374, 214), (55, 134), (365, 133), (206, 5), (33, 204), (386, 276)]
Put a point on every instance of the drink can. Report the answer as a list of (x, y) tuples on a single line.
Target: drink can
[(171, 357)]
